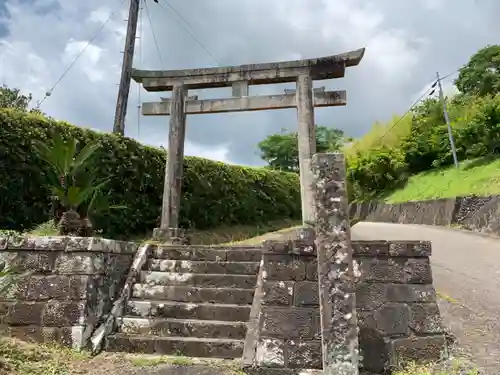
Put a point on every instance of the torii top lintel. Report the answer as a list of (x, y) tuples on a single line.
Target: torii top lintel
[(255, 74)]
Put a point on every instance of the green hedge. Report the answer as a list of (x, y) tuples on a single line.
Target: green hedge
[(214, 193)]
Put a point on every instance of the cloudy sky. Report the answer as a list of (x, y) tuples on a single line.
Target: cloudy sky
[(406, 43)]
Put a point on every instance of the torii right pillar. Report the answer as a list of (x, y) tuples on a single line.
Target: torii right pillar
[(307, 145)]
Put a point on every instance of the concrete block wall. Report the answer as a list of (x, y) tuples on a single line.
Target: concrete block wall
[(69, 290), (398, 315), (479, 214)]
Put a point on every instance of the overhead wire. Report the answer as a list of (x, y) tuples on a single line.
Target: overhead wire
[(171, 7), (154, 33), (415, 104), (91, 40)]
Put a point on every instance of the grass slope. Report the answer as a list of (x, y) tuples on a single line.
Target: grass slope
[(478, 176)]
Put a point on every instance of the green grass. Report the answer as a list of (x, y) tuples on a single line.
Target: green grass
[(18, 357), (220, 235), (453, 366), (22, 358), (478, 176)]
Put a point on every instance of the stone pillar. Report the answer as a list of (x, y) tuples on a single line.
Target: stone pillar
[(335, 266), (174, 168), (307, 144)]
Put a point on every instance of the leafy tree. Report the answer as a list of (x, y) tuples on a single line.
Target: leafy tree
[(481, 75), (426, 139), (12, 98), (281, 150)]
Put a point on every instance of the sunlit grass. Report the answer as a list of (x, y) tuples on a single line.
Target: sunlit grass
[(480, 177), (453, 366)]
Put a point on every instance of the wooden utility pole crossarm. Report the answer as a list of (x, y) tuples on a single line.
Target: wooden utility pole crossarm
[(128, 57)]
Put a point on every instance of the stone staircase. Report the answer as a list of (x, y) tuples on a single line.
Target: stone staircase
[(192, 301)]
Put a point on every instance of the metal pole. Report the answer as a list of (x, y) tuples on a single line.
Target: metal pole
[(447, 119), (128, 56)]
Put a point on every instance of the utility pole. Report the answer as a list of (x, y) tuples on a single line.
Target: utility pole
[(128, 57), (447, 119)]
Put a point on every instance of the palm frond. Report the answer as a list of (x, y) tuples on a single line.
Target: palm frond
[(84, 155)]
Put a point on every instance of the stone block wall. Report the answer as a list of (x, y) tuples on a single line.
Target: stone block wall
[(69, 289), (478, 214), (398, 316)]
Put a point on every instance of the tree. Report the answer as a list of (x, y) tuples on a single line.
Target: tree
[(281, 150), (481, 75), (12, 98)]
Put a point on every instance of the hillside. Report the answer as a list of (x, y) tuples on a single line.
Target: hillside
[(479, 176)]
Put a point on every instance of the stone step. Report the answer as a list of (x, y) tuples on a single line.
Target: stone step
[(181, 346), (197, 279), (215, 254), (184, 328), (193, 294), (179, 310), (169, 265)]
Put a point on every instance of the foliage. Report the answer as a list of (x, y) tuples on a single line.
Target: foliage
[(379, 170), (71, 182), (214, 193), (481, 75), (281, 150), (12, 98), (422, 143)]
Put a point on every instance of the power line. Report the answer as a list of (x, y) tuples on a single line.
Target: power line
[(48, 93), (188, 31), (416, 103), (450, 74), (154, 34)]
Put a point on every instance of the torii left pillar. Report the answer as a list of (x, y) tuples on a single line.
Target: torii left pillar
[(307, 145), (169, 230)]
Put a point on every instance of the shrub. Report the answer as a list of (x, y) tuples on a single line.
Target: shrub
[(374, 172), (214, 193)]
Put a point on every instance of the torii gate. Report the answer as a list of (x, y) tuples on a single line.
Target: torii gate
[(303, 72)]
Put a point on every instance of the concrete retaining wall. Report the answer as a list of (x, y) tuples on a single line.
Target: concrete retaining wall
[(479, 214), (396, 304), (70, 289)]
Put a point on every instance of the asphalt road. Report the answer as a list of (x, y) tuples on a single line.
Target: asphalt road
[(466, 272)]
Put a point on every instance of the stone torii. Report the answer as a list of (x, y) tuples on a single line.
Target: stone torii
[(304, 98)]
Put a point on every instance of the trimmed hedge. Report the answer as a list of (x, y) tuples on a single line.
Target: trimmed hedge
[(214, 193)]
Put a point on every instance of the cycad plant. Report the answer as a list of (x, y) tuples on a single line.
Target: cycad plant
[(74, 188)]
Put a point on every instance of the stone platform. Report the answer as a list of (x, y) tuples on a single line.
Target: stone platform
[(256, 303)]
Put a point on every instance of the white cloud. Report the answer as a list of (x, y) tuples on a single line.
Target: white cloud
[(91, 58), (405, 43), (219, 153), (433, 4)]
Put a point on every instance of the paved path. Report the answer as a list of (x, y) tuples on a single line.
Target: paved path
[(466, 271)]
